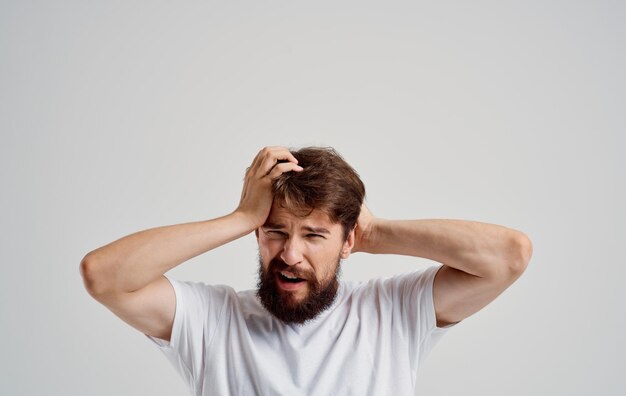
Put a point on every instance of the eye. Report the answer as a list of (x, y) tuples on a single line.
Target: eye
[(315, 236), (275, 234)]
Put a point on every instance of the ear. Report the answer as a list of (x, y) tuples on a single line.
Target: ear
[(348, 245)]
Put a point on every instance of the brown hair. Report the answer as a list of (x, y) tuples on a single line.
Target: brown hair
[(327, 183)]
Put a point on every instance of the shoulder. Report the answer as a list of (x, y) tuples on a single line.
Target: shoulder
[(198, 287), (403, 301), (404, 295), (405, 282), (189, 293)]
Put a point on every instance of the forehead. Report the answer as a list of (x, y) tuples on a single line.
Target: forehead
[(287, 218)]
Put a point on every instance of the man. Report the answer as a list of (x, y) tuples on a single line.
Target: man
[(304, 332)]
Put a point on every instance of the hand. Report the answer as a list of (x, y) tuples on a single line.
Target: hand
[(363, 234), (256, 196)]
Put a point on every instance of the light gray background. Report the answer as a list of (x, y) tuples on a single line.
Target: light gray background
[(118, 116)]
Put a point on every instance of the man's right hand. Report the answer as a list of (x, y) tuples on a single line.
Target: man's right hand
[(256, 196)]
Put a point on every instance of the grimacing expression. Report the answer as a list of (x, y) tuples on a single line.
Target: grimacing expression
[(299, 263), (287, 308)]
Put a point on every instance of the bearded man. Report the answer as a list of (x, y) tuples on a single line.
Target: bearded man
[(304, 331)]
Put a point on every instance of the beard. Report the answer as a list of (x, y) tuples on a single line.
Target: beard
[(283, 305)]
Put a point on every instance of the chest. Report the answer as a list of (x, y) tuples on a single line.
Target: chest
[(345, 353)]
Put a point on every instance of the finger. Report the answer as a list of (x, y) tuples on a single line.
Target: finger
[(281, 153), (273, 157), (274, 148), (283, 167), (365, 210), (255, 161), (264, 152), (259, 158)]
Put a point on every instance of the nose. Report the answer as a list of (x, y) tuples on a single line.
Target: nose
[(292, 251)]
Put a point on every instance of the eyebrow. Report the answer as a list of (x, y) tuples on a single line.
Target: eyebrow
[(279, 226), (317, 230)]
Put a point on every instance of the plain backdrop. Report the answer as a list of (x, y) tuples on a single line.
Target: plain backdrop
[(118, 116)]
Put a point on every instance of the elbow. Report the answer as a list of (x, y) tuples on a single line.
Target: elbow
[(93, 279), (521, 252), (510, 259)]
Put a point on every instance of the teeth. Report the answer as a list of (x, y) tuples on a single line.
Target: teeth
[(288, 276)]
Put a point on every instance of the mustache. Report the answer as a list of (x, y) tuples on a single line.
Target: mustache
[(276, 265)]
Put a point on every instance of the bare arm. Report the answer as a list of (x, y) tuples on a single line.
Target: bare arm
[(480, 260), (127, 275), (134, 261)]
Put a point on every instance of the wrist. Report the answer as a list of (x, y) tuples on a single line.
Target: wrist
[(370, 237), (247, 221)]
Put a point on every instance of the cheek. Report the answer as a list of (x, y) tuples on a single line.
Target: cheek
[(269, 247), (326, 267)]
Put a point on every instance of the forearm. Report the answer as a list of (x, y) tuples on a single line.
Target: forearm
[(134, 261), (476, 248)]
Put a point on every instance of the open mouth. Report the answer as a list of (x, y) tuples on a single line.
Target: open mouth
[(286, 277)]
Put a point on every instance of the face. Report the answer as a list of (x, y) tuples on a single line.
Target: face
[(299, 263)]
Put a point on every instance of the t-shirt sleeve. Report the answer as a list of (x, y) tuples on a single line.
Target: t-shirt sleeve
[(199, 308), (414, 309)]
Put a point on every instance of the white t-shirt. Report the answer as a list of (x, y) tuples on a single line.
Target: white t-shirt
[(371, 341)]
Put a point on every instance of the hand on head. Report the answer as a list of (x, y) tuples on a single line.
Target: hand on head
[(256, 196), (363, 230)]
